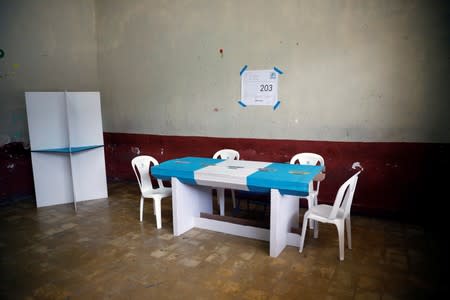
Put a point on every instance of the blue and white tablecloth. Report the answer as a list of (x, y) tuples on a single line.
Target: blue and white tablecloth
[(239, 174)]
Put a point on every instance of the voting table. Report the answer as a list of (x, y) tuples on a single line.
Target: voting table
[(193, 178)]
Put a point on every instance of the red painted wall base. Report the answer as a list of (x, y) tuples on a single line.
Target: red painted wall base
[(399, 179), (16, 174)]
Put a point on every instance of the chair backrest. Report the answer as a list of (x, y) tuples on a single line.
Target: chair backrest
[(307, 158), (344, 197), (227, 154), (141, 167)]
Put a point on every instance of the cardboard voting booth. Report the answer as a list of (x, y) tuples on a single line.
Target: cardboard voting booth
[(66, 139)]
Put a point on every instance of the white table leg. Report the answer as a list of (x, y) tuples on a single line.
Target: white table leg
[(284, 214), (221, 196), (188, 201)]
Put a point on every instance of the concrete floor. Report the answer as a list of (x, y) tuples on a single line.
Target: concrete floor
[(103, 251)]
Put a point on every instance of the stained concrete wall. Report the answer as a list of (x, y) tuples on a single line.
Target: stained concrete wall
[(48, 45), (354, 70)]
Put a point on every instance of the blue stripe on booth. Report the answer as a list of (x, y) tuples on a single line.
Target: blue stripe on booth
[(68, 149), (84, 148)]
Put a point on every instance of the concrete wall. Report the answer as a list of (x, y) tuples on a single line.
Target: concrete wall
[(354, 70), (48, 45)]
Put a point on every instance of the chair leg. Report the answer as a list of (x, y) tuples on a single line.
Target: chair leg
[(302, 238), (310, 205), (234, 198), (237, 209), (141, 208), (217, 195), (341, 235), (157, 202), (316, 229), (349, 232), (221, 199)]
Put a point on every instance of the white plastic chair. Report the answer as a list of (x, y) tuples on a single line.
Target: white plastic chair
[(307, 158), (336, 214), (225, 154), (141, 167)]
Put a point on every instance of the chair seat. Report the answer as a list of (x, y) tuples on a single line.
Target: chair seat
[(162, 192), (322, 211)]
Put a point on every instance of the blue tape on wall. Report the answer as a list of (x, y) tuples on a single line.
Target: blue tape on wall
[(243, 70), (276, 105), (278, 70), (242, 103)]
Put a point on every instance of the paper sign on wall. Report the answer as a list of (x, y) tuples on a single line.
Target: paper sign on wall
[(259, 87)]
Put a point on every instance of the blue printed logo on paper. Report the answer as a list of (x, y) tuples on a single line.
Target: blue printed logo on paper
[(273, 75)]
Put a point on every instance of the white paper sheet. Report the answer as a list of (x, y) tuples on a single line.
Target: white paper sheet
[(259, 87)]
